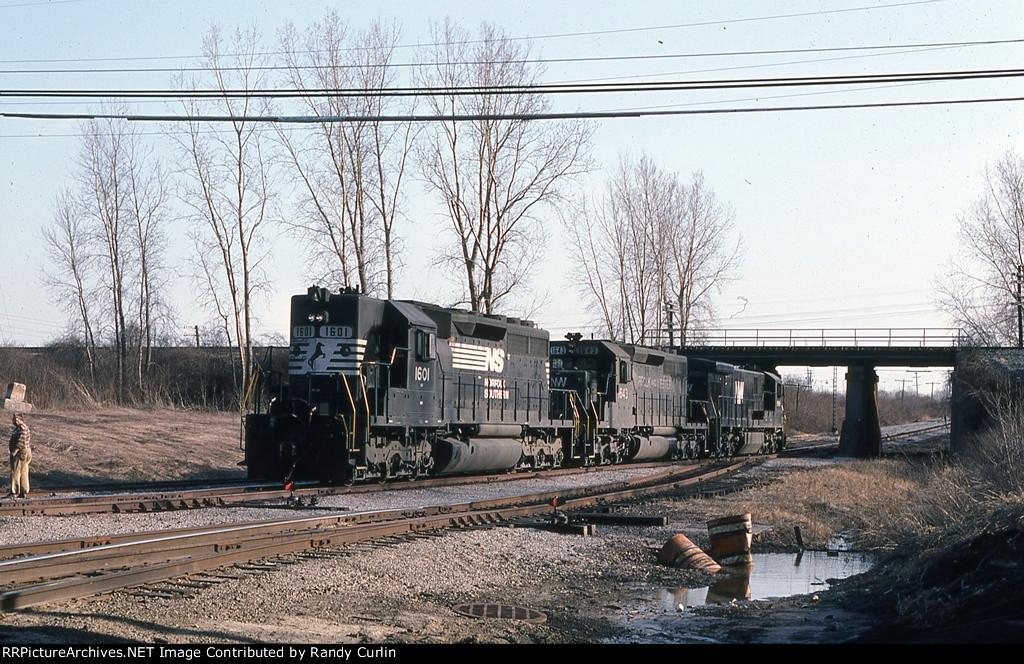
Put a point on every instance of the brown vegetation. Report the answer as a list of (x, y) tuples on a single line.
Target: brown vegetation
[(812, 411), (58, 377)]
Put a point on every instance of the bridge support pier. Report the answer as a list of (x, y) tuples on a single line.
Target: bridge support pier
[(862, 435)]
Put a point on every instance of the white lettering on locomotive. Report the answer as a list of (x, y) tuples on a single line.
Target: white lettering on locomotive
[(473, 357), (494, 388), (496, 360), (336, 331), (662, 382), (326, 331), (422, 373)]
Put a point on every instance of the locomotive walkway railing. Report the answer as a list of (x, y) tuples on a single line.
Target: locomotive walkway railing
[(920, 337)]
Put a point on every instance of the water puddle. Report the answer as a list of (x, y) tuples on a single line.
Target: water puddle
[(772, 575)]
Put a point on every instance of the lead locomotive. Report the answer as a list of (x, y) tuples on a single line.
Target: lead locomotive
[(381, 389)]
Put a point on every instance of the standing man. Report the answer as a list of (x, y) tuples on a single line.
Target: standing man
[(21, 456)]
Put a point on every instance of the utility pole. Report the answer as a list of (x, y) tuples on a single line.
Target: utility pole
[(917, 380), (668, 311)]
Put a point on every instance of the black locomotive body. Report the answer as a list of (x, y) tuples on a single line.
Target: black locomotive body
[(380, 389), (637, 403), (743, 409)]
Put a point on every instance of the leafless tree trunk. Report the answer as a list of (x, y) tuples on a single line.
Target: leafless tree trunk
[(228, 180), (147, 206), (495, 176), (106, 236), (662, 243), (981, 291), (352, 172), (102, 171), (702, 255), (68, 244)]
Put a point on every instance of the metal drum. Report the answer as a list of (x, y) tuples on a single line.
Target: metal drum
[(731, 537), (679, 551)]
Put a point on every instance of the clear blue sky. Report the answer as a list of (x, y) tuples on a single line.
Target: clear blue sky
[(848, 216)]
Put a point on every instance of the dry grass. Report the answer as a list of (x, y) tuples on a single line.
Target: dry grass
[(950, 531), (866, 500), (127, 445)]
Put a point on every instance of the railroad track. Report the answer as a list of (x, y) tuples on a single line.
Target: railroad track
[(186, 495), (169, 497), (926, 428), (33, 574)]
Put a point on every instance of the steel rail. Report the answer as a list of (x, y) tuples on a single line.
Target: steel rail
[(172, 499), (170, 556)]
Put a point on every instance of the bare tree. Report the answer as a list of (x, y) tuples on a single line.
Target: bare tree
[(702, 257), (496, 175), (102, 166), (69, 247), (147, 205), (106, 243), (653, 247), (982, 289), (352, 172), (227, 180)]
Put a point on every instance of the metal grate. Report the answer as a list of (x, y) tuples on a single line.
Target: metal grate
[(501, 612)]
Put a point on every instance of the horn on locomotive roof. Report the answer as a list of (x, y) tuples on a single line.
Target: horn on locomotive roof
[(317, 294)]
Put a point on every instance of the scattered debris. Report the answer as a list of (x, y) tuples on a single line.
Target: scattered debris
[(620, 519), (15, 399), (679, 551)]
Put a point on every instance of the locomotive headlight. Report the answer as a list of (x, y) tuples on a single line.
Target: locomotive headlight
[(317, 317)]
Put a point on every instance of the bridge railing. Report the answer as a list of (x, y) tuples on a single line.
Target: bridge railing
[(894, 337)]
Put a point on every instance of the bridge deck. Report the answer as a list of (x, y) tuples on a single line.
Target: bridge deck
[(824, 347), (828, 356)]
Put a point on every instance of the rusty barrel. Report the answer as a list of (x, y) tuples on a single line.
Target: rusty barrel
[(679, 551), (731, 537)]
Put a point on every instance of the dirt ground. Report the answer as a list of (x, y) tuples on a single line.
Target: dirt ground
[(78, 448), (72, 448)]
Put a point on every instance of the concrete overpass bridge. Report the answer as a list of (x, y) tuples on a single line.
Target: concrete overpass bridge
[(860, 350)]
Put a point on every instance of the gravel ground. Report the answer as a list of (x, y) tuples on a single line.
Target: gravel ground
[(591, 589)]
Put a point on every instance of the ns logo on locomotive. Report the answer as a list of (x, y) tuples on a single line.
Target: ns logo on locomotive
[(380, 389)]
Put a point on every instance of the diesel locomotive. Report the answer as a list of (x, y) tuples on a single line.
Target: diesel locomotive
[(380, 389)]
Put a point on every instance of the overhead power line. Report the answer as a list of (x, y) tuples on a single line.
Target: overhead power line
[(536, 88), (881, 48), (580, 115)]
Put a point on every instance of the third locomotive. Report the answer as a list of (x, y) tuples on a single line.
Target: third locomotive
[(380, 389)]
